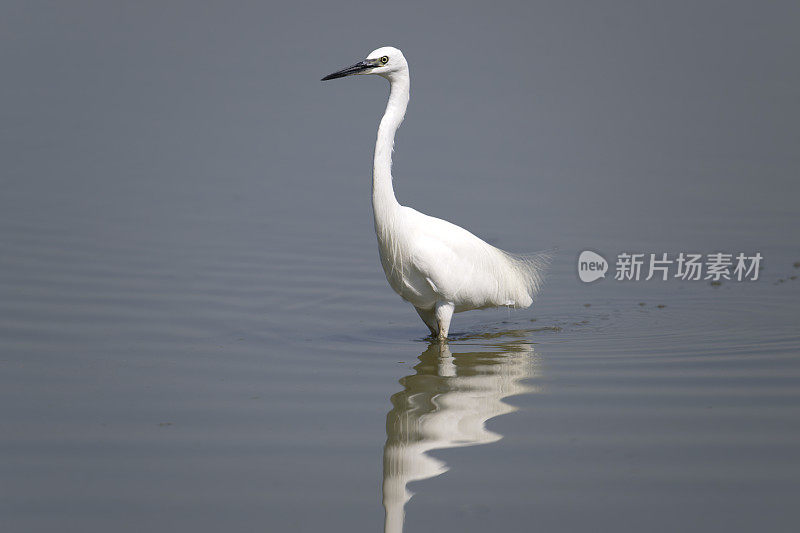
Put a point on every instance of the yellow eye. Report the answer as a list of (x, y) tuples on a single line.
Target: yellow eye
[(385, 59)]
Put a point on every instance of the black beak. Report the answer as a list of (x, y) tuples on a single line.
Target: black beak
[(361, 66)]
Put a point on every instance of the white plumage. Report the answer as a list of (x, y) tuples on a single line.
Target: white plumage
[(438, 267)]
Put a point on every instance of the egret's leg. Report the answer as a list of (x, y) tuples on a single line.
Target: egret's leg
[(429, 317), (444, 312)]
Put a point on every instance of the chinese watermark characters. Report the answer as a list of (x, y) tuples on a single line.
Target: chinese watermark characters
[(714, 267)]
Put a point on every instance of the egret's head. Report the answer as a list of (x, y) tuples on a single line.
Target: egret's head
[(385, 61)]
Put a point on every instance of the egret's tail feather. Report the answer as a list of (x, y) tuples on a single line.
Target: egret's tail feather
[(531, 268)]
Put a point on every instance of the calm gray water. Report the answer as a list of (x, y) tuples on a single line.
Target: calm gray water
[(196, 334)]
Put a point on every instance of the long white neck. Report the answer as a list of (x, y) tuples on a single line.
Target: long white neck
[(384, 203)]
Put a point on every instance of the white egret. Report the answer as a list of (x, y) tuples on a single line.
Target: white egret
[(438, 267)]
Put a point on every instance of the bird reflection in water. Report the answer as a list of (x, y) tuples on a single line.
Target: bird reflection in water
[(446, 404)]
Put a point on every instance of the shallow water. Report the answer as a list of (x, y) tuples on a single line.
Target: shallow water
[(196, 334), (179, 385)]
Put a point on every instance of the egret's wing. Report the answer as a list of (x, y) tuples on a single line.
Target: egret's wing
[(465, 269), (450, 257)]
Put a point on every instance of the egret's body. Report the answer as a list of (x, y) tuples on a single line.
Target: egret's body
[(438, 267)]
